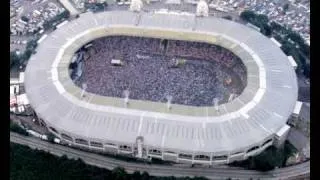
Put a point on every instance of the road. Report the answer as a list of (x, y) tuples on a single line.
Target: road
[(160, 170)]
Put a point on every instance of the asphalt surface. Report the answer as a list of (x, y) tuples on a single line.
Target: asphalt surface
[(160, 170)]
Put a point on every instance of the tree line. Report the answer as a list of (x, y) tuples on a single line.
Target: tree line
[(14, 127), (26, 163), (51, 23), (269, 159), (37, 164), (19, 59)]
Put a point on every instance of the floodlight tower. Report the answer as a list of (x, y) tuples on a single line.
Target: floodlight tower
[(202, 9), (136, 5), (84, 87), (126, 97), (216, 104), (169, 100)]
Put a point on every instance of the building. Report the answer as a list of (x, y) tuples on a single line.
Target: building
[(197, 135)]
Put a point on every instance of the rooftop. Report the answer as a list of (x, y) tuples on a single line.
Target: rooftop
[(256, 115)]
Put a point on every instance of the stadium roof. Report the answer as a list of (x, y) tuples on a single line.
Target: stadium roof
[(292, 61), (297, 108), (256, 115)]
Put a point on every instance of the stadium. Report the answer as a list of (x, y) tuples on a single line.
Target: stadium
[(176, 87)]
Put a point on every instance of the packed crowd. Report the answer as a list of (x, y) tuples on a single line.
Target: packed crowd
[(147, 74), (203, 51)]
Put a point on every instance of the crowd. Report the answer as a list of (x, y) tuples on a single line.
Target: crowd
[(148, 75), (203, 51)]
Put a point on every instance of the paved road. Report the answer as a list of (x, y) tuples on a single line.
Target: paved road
[(160, 170)]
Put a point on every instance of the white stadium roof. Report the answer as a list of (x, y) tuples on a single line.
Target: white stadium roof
[(276, 42), (297, 108), (292, 61), (256, 115)]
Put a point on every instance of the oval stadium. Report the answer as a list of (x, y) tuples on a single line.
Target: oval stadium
[(176, 87)]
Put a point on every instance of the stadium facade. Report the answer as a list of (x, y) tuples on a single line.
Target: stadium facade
[(233, 131)]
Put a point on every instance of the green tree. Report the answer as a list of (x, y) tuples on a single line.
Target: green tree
[(40, 165), (258, 20), (32, 44), (285, 7), (306, 71), (47, 25), (14, 58), (276, 27), (266, 30), (16, 128), (25, 19), (227, 17), (290, 50), (295, 37), (50, 137), (247, 15), (50, 24), (119, 173), (261, 18), (145, 176), (136, 175), (269, 159), (199, 178), (26, 55)]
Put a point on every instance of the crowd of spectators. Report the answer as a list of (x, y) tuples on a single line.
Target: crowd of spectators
[(148, 75), (203, 51)]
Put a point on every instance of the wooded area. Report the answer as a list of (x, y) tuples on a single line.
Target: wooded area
[(19, 59), (14, 127), (269, 159), (28, 164)]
